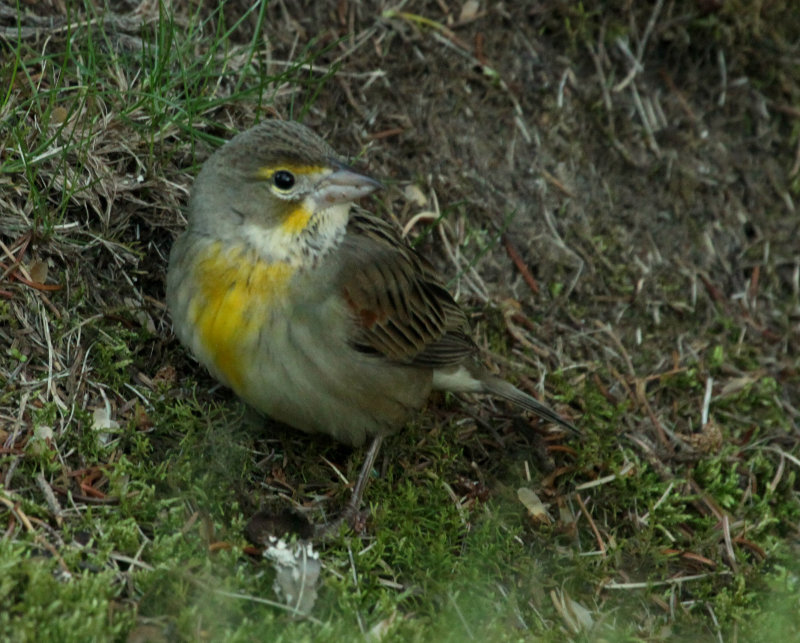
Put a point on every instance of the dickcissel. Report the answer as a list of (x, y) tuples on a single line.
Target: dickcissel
[(311, 309)]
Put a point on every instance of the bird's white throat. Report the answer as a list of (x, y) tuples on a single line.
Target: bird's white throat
[(324, 231)]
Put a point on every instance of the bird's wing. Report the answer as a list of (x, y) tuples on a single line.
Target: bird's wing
[(400, 307)]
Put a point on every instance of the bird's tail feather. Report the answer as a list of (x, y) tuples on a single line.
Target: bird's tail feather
[(507, 391)]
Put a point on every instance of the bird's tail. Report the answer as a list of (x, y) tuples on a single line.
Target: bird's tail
[(507, 391)]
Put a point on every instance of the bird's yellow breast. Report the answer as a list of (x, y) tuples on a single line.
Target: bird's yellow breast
[(237, 294)]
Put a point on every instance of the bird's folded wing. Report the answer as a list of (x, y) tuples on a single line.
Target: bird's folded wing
[(401, 310)]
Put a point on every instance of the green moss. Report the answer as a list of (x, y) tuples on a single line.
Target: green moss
[(449, 552), (43, 602)]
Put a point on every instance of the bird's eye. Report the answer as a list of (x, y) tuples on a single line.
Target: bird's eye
[(283, 180)]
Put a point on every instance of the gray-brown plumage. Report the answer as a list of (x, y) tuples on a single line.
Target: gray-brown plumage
[(312, 310)]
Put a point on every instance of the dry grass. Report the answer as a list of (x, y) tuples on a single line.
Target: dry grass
[(610, 188)]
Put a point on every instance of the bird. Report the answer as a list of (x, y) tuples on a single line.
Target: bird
[(313, 310)]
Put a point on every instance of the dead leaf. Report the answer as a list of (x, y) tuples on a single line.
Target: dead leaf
[(38, 271), (378, 631), (469, 11), (415, 195), (536, 509), (738, 384), (103, 423), (576, 617)]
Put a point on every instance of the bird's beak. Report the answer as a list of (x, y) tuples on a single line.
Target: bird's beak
[(344, 186)]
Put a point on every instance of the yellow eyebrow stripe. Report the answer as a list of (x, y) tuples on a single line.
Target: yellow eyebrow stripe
[(268, 172)]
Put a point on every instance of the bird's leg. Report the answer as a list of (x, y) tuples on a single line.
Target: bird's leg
[(363, 476), (354, 504)]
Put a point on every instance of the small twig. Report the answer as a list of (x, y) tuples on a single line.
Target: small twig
[(133, 562), (336, 470), (726, 534), (50, 498), (557, 184), (14, 508), (265, 601), (664, 583), (606, 479), (89, 500), (462, 512), (520, 264), (643, 519), (723, 73), (706, 401), (592, 525), (387, 133)]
